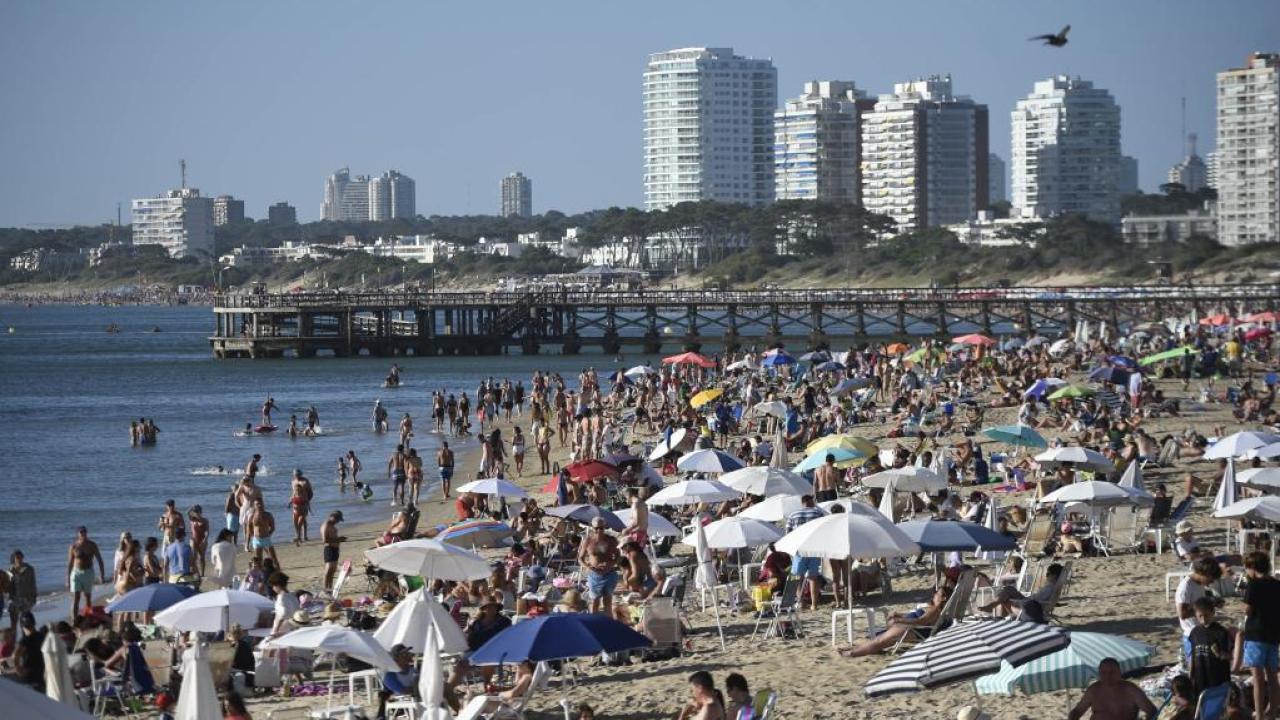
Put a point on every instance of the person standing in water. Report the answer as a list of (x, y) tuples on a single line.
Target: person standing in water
[(267, 407), (379, 417), (313, 421), (406, 429), (398, 474), (80, 578), (414, 463), (354, 465)]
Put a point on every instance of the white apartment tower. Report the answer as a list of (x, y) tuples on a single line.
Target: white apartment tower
[(1066, 151), (816, 145), (334, 188), (1191, 173), (517, 195), (180, 221), (925, 158), (361, 198), (392, 196), (1248, 152), (708, 128)]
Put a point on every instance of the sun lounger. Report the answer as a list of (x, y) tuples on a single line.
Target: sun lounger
[(955, 608), (492, 707)]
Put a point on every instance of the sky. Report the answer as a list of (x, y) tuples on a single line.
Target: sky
[(263, 100)]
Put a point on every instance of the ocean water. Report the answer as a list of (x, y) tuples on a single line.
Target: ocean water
[(68, 390)]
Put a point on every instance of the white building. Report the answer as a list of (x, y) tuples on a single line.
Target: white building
[(180, 221), (1161, 229), (989, 231), (924, 155), (1066, 151), (290, 251), (392, 196), (517, 195), (816, 145), (708, 128), (997, 179), (1211, 169), (1191, 173), (416, 248), (1248, 151), (335, 186), (361, 198), (501, 248)]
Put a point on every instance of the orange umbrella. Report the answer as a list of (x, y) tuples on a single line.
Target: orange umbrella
[(689, 358), (896, 348), (1219, 319), (974, 339), (1264, 317)]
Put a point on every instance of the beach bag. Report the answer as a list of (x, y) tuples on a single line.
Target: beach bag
[(761, 595)]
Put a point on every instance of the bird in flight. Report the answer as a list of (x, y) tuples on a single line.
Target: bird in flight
[(1055, 40)]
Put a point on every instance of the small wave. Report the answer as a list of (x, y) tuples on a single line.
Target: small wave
[(214, 470)]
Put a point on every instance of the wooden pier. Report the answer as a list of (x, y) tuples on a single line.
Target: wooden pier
[(384, 324)]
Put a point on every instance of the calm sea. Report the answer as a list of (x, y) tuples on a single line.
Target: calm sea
[(68, 390)]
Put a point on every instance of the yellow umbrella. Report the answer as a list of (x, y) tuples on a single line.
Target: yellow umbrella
[(848, 442), (705, 397)]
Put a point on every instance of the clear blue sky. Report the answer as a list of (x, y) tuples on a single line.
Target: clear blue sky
[(264, 99)]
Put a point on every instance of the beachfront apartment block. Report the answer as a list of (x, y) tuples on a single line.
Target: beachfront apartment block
[(708, 127), (180, 221), (1066, 151), (816, 145), (1247, 167), (925, 156), (517, 195), (392, 196), (361, 198), (227, 210)]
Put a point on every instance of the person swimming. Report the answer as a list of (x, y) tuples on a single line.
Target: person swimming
[(366, 492)]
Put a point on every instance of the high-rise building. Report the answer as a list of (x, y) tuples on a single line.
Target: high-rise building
[(925, 155), (282, 214), (354, 206), (816, 146), (1066, 151), (997, 179), (708, 128), (1127, 176), (1191, 173), (517, 196), (180, 221), (1248, 151), (391, 196), (334, 189), (1211, 169), (227, 210)]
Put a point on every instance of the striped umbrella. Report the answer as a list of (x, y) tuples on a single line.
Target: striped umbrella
[(967, 650), (1075, 666), (475, 533)]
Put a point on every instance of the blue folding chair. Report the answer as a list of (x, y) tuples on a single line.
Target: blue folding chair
[(1212, 704)]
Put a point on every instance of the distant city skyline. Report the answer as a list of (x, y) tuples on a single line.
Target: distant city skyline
[(250, 96)]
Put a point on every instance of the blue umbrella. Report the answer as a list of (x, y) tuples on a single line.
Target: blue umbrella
[(1112, 375), (778, 359), (1043, 387), (828, 366), (817, 459), (1072, 667), (947, 535), (1123, 361), (1016, 435), (151, 598), (558, 636), (815, 356)]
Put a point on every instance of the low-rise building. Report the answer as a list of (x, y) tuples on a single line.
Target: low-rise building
[(1160, 229), (415, 248), (992, 232)]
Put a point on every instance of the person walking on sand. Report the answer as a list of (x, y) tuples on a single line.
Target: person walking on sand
[(231, 515), (261, 526), (80, 578), (332, 546), (444, 461), (300, 504), (246, 494)]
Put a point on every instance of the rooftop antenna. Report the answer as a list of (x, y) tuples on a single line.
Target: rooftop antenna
[(182, 165)]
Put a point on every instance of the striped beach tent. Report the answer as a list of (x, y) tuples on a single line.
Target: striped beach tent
[(1075, 666), (967, 650)]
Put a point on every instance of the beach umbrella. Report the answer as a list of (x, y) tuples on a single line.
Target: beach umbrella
[(1237, 444), (429, 558), (1080, 458), (1131, 482), (735, 532), (20, 701), (1217, 320), (772, 408), (777, 359), (587, 470), (815, 356), (1263, 477), (766, 481), (198, 697), (585, 514), (431, 681), (847, 535), (974, 339), (418, 618), (1090, 492), (773, 509), (1012, 343), (679, 440), (1255, 333), (216, 611), (1265, 508), (1075, 666), (480, 533), (828, 366), (57, 673), (558, 636), (1043, 387), (640, 371), (948, 535), (493, 486), (708, 461), (967, 650), (1036, 341), (1017, 435), (1108, 374), (844, 458), (887, 508), (1266, 316), (907, 479), (689, 358), (896, 348), (337, 639), (1123, 361), (705, 576), (848, 385), (993, 524), (705, 397), (151, 598), (1227, 493), (692, 492), (620, 460), (1060, 347), (743, 364), (1072, 391), (659, 527), (849, 505), (846, 442), (1173, 354)]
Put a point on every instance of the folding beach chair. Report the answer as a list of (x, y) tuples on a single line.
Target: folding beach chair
[(1212, 703), (954, 609), (785, 606), (491, 707)]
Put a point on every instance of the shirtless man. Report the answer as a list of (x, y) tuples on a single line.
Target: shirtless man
[(170, 521), (259, 529), (444, 461), (199, 535), (251, 469), (638, 530), (332, 544), (414, 463), (80, 557), (406, 429), (313, 420), (824, 480), (599, 552), (247, 493), (354, 464), (398, 473), (1111, 697), (267, 407), (300, 504)]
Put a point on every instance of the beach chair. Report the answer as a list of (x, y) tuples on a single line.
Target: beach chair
[(1050, 604), (491, 707), (159, 658), (1041, 528), (785, 606), (763, 706), (1212, 703), (955, 608), (660, 622), (1169, 522)]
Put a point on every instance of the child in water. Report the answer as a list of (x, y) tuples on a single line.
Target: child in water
[(366, 492), (342, 473)]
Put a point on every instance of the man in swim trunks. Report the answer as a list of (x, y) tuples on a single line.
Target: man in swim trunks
[(638, 531), (599, 552), (170, 521), (313, 420), (80, 557), (300, 503), (398, 473), (355, 465), (267, 407), (406, 429), (199, 535), (251, 469), (332, 545), (414, 463), (444, 461), (246, 494), (231, 512), (259, 529)]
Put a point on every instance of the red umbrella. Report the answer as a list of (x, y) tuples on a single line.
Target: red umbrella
[(1267, 316), (689, 358), (1256, 333), (974, 339), (1215, 320), (586, 470)]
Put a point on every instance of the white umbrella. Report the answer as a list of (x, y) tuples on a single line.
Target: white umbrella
[(907, 479), (735, 532), (640, 371), (848, 504), (993, 520), (706, 577), (198, 698), (20, 701), (1266, 507), (773, 509), (886, 508), (429, 559), (1266, 452), (1237, 444), (658, 526), (1089, 492), (692, 492), (847, 535), (1227, 490), (1263, 477), (57, 673), (493, 486), (767, 481), (708, 461), (773, 408), (669, 445), (1080, 458), (1131, 482), (337, 639), (416, 617), (431, 681), (779, 457), (1060, 347), (215, 611)]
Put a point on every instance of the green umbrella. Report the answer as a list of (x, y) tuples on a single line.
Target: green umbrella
[(1072, 391), (1166, 355), (1017, 435), (1074, 666)]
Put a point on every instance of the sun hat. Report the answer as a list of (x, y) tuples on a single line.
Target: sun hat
[(301, 617)]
